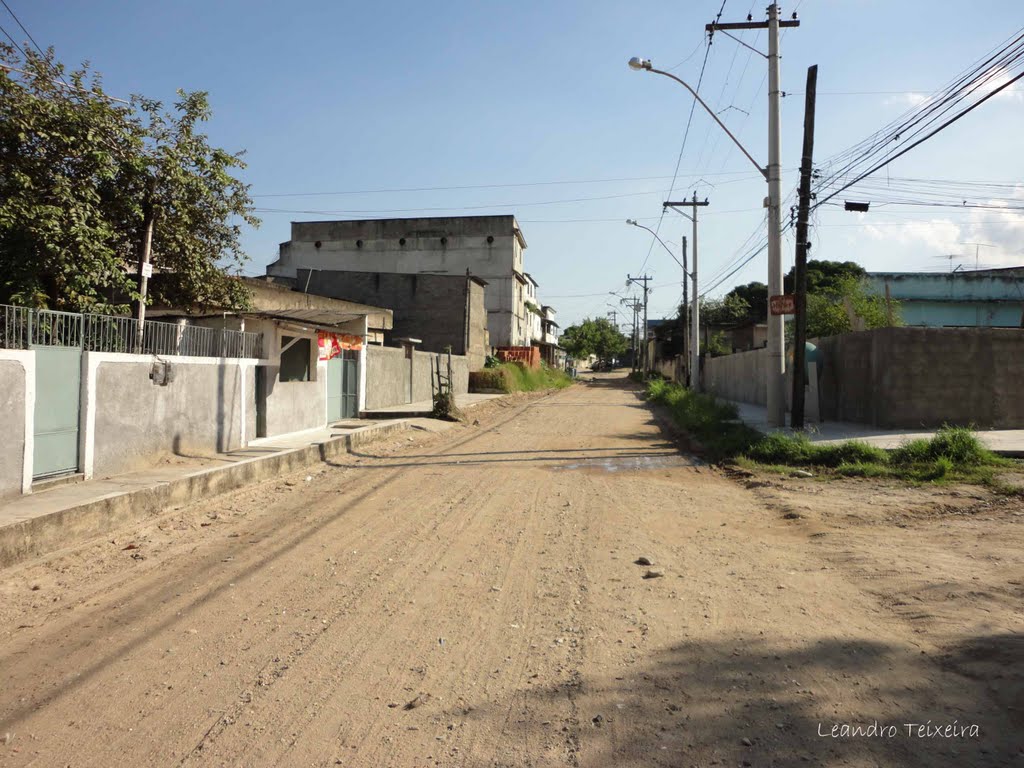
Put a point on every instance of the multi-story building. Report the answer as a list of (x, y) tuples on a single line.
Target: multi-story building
[(532, 308), (487, 247)]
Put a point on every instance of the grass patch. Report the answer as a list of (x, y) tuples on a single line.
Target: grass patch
[(516, 377), (953, 454)]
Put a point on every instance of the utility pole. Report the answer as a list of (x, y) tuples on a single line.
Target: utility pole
[(800, 321), (776, 323), (633, 304), (642, 281), (683, 311), (145, 269), (693, 204)]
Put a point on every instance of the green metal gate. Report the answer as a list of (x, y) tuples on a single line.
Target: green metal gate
[(343, 386), (58, 386)]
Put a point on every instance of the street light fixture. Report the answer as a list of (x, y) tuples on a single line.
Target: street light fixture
[(775, 396)]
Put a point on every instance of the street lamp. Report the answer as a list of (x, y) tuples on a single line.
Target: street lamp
[(687, 275), (776, 368)]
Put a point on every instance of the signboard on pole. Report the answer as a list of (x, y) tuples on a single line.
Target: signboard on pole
[(147, 270), (782, 305)]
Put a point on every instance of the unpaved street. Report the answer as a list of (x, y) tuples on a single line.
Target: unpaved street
[(470, 598)]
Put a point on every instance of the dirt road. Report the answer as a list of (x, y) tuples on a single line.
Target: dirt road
[(470, 598)]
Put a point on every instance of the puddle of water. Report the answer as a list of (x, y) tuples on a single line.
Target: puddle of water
[(625, 463)]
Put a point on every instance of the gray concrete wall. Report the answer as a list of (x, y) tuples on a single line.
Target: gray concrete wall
[(387, 377), (925, 377), (137, 422), (293, 406), (737, 377), (900, 377), (13, 399)]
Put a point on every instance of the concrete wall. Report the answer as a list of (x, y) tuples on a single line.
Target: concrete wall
[(490, 247), (293, 406), (387, 377), (391, 379), (17, 390), (900, 377), (136, 422), (925, 377), (737, 377)]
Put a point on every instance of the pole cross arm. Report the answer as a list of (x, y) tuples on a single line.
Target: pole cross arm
[(646, 64)]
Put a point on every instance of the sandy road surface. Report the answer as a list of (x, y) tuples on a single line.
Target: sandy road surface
[(470, 598)]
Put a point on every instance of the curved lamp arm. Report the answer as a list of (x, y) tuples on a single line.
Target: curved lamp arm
[(677, 261), (638, 63)]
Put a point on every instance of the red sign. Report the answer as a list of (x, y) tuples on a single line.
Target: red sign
[(331, 344), (782, 305)]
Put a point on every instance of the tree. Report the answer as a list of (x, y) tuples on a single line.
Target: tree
[(755, 294), (78, 172), (847, 305), (825, 276), (594, 337), (729, 310)]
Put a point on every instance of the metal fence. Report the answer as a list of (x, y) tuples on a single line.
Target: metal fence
[(23, 328)]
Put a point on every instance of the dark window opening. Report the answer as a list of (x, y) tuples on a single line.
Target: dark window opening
[(294, 359)]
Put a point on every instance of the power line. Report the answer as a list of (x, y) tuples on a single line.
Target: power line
[(745, 174), (18, 22), (918, 124), (682, 147)]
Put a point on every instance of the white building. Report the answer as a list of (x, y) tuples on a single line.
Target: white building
[(489, 247)]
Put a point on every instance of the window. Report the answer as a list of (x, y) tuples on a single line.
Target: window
[(294, 359)]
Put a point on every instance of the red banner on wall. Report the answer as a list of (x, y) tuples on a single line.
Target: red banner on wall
[(331, 344)]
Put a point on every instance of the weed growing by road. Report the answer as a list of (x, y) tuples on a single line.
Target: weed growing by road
[(953, 454), (516, 377)]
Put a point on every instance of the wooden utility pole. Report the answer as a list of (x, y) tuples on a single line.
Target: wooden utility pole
[(683, 311), (800, 287), (643, 280)]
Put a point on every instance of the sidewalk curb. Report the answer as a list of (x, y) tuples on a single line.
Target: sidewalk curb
[(47, 533)]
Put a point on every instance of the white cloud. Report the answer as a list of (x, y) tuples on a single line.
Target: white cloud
[(999, 229)]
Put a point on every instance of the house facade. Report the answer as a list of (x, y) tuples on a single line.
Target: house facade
[(488, 247), (981, 298)]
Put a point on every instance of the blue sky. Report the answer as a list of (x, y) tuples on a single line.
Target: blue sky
[(344, 97)]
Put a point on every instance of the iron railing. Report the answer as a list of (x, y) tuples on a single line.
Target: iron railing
[(24, 328)]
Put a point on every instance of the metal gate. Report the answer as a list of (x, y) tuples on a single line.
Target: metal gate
[(343, 386), (58, 382)]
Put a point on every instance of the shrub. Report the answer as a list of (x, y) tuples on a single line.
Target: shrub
[(516, 377), (957, 444)]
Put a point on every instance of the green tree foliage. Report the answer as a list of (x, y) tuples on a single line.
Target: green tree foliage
[(729, 310), (77, 171), (594, 337), (755, 294), (845, 306), (825, 276)]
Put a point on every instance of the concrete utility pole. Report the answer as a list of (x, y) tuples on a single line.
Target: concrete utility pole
[(776, 323), (642, 281), (800, 324), (633, 304), (145, 270), (695, 308)]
